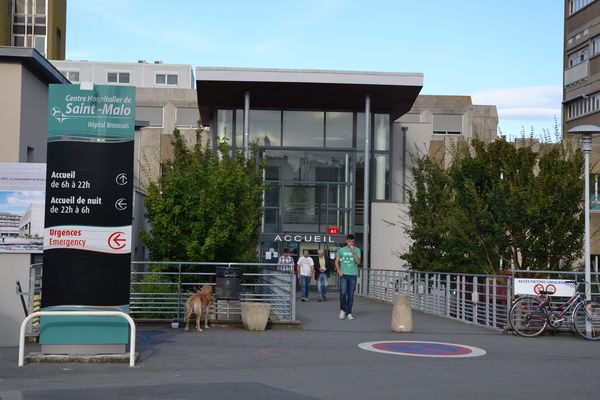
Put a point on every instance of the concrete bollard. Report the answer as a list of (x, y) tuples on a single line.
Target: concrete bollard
[(402, 313)]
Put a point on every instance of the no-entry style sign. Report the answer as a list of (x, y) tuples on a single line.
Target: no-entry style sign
[(423, 349), (556, 287)]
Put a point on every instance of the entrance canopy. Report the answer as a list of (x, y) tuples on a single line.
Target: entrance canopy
[(392, 93)]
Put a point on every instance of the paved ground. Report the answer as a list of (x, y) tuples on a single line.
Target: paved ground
[(320, 361)]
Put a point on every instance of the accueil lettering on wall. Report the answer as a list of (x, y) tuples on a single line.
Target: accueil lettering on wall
[(305, 238)]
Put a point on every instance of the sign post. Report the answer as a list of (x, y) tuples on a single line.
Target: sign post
[(89, 188)]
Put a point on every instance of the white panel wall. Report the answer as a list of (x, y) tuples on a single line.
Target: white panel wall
[(388, 239), (13, 267)]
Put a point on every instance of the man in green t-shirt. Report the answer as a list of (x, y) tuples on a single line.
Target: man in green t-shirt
[(347, 261)]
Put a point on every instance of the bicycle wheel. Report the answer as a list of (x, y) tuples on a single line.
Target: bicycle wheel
[(527, 317), (587, 315)]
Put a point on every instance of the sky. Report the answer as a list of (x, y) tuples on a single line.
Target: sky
[(17, 202), (506, 53)]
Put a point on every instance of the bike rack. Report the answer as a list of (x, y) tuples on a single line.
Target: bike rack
[(77, 314)]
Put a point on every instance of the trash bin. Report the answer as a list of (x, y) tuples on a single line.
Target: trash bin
[(228, 282)]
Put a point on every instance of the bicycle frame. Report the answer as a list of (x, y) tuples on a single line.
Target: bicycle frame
[(562, 312)]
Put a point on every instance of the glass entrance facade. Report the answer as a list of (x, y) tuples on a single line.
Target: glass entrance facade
[(314, 173)]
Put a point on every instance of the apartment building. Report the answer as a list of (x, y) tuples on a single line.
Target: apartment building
[(581, 81), (38, 24), (581, 93)]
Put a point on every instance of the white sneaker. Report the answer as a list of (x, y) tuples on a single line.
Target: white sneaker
[(342, 314), (350, 317)]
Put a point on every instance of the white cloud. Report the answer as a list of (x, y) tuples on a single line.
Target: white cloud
[(25, 198), (535, 103)]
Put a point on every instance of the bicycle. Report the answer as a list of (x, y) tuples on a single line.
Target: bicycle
[(530, 315)]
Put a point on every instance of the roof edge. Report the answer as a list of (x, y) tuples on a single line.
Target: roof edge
[(308, 76)]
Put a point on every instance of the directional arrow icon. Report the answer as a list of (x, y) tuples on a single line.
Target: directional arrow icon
[(121, 179), (121, 204), (116, 241)]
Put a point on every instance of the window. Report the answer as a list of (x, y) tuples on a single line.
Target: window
[(40, 44), (225, 125), (19, 40), (381, 132), (578, 57), (152, 115), (576, 5), (596, 45), (72, 76), (265, 127), (117, 77), (447, 124), (187, 117), (20, 6), (166, 79), (338, 129), (29, 24), (303, 128)]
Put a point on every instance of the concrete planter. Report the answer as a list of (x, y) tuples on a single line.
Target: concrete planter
[(255, 316)]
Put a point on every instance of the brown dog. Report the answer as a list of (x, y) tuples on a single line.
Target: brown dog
[(195, 303)]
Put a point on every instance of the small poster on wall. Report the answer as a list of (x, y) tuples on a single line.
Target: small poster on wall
[(22, 197)]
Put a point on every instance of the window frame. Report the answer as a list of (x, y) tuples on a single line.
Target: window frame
[(166, 75), (119, 73)]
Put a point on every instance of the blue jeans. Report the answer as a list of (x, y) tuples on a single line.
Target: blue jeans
[(304, 283), (322, 286), (347, 286)]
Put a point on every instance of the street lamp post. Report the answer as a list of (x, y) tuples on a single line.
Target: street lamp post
[(586, 132)]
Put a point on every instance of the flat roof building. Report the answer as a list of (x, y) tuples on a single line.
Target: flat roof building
[(336, 148)]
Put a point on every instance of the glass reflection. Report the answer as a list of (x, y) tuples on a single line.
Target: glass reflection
[(225, 124), (326, 166), (265, 127), (303, 128), (286, 165), (338, 129), (381, 184), (381, 132)]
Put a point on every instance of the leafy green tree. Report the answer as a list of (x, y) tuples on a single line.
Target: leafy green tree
[(497, 203), (207, 206)]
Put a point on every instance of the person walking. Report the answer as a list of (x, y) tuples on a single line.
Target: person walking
[(285, 262), (347, 261), (305, 271), (323, 267)]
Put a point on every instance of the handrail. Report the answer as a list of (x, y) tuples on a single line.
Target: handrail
[(73, 314)]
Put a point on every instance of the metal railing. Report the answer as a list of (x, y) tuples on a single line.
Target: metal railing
[(162, 295), (479, 299)]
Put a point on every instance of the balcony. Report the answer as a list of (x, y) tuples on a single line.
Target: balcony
[(577, 73)]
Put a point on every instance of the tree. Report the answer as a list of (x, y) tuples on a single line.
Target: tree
[(207, 206), (497, 203)]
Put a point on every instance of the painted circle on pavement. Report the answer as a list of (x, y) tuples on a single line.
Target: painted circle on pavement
[(423, 349)]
